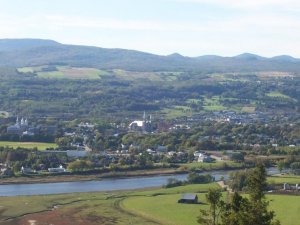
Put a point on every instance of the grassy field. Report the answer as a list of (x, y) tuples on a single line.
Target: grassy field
[(213, 104), (248, 109), (4, 114), (290, 179), (81, 208), (28, 145), (166, 210), (71, 209), (177, 111), (139, 207), (276, 94), (65, 72), (72, 73)]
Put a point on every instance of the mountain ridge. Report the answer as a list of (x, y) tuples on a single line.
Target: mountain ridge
[(35, 52)]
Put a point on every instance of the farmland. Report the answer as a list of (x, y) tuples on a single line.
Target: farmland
[(63, 72), (27, 145)]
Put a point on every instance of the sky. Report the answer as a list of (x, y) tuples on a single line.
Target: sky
[(188, 27)]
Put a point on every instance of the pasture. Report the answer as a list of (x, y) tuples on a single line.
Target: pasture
[(64, 72), (27, 145), (276, 94)]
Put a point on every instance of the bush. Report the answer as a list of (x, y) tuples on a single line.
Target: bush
[(172, 182), (195, 178)]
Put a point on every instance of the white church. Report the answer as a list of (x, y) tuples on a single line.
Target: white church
[(142, 125)]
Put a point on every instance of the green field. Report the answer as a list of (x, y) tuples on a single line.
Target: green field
[(4, 114), (28, 145), (82, 208), (177, 111), (290, 179), (139, 207), (64, 72), (213, 104), (166, 210), (276, 94)]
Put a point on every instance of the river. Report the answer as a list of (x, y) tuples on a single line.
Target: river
[(101, 185)]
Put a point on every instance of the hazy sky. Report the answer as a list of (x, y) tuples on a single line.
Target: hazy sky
[(189, 27)]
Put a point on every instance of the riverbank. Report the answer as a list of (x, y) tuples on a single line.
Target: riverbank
[(71, 177), (75, 178)]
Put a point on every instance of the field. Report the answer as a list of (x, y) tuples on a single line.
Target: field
[(177, 111), (276, 94), (4, 114), (139, 207), (290, 179), (81, 208), (64, 72), (213, 104), (28, 145), (165, 210)]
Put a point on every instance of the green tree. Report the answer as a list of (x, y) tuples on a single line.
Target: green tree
[(280, 166), (257, 211), (213, 198)]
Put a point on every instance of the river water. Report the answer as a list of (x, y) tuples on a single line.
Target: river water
[(101, 185)]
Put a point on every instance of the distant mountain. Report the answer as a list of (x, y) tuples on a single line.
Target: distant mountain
[(34, 52), (24, 44), (249, 56), (285, 58)]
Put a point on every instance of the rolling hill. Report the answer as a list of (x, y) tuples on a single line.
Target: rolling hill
[(35, 52)]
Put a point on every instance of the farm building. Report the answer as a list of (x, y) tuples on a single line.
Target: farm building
[(189, 198)]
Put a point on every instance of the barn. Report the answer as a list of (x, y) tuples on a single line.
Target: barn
[(189, 199)]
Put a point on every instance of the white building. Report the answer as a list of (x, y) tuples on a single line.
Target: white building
[(141, 125), (60, 169)]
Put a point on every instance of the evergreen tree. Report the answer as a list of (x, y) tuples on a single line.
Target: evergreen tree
[(241, 210)]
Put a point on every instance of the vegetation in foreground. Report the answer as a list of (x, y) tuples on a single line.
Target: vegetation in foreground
[(153, 206)]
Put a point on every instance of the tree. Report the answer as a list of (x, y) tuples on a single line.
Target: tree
[(213, 198), (241, 210), (79, 165), (280, 166), (257, 183), (257, 209)]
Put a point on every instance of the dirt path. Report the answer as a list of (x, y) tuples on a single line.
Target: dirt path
[(224, 186)]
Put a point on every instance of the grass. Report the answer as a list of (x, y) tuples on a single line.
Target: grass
[(291, 179), (287, 208), (193, 101), (65, 72), (88, 208), (28, 145), (248, 109), (138, 207), (210, 166), (178, 111), (165, 209), (72, 73), (29, 69), (276, 94), (4, 114), (84, 208), (213, 104)]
